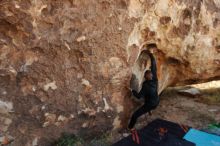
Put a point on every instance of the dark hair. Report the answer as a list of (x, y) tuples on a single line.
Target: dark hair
[(151, 46), (147, 72)]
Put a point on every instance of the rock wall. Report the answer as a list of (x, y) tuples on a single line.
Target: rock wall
[(65, 66)]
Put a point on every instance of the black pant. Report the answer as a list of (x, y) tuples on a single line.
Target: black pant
[(142, 110)]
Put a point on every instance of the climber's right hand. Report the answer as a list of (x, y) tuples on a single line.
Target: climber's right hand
[(133, 92)]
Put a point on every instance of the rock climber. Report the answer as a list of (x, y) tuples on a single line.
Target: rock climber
[(149, 91)]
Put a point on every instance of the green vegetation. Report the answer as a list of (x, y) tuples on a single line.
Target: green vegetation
[(69, 140), (215, 125), (72, 140), (104, 140), (211, 96)]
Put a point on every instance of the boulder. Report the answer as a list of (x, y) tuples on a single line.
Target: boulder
[(71, 56), (191, 92)]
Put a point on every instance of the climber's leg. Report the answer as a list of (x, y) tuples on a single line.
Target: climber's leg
[(142, 110)]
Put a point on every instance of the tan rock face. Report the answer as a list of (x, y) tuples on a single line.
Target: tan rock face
[(187, 35), (76, 58)]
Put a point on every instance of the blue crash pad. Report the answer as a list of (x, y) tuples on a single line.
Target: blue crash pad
[(202, 138)]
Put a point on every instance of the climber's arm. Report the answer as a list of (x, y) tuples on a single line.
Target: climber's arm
[(153, 66), (136, 94), (140, 94)]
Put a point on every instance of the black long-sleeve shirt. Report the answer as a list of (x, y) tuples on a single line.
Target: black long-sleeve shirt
[(149, 89)]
